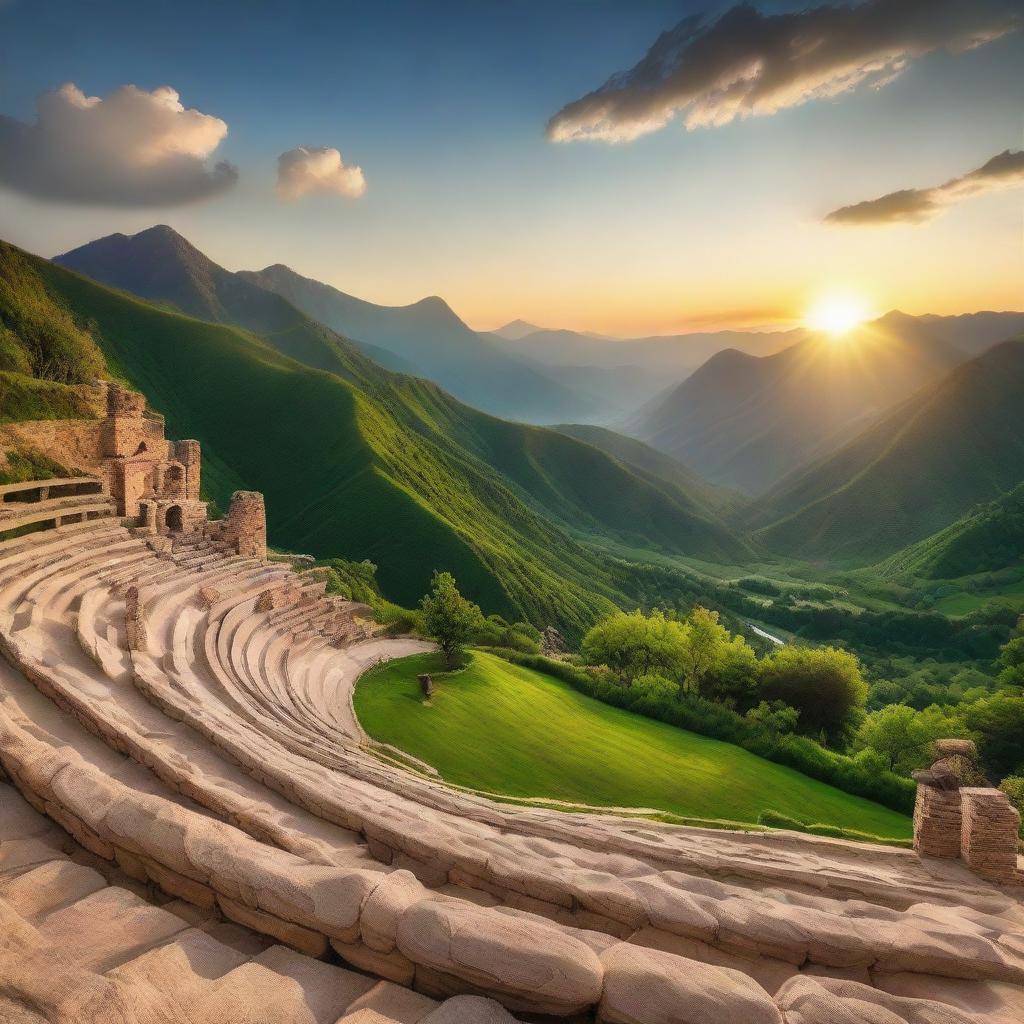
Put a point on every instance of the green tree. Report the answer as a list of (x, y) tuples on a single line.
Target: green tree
[(904, 737), (1011, 660), (705, 639), (824, 684), (776, 717), (1013, 787), (998, 721), (733, 679), (632, 644), (449, 618)]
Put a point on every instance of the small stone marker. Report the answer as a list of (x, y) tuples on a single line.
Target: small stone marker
[(426, 685)]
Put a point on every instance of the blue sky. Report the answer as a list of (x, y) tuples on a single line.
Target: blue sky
[(443, 106)]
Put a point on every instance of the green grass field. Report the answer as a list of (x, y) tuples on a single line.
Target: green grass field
[(509, 730)]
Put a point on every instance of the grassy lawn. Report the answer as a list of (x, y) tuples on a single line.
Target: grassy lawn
[(511, 730)]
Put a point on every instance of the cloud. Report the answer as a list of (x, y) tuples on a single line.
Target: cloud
[(317, 170), (747, 63), (134, 148), (917, 205)]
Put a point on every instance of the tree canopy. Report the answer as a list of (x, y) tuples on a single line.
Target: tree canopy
[(449, 618), (824, 684)]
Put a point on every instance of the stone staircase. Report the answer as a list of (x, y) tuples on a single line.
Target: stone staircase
[(183, 714), (75, 947)]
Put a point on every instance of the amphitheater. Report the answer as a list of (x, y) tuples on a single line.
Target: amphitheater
[(193, 828)]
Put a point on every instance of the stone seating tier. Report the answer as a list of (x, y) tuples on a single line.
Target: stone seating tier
[(248, 793)]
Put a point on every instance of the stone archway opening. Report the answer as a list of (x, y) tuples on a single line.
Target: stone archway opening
[(173, 519)]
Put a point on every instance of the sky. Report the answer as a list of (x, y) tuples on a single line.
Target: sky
[(473, 150)]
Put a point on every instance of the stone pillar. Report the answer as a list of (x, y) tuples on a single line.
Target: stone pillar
[(426, 685), (245, 525), (135, 620), (989, 833), (937, 812), (189, 454), (937, 821)]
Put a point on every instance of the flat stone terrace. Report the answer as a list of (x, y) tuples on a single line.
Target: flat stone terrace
[(183, 714)]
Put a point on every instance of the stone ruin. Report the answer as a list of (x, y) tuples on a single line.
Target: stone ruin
[(195, 828), (552, 644), (977, 824), (151, 481)]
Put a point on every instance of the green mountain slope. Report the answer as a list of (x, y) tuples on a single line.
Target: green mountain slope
[(986, 539), (745, 421), (684, 485), (951, 446), (362, 463), (557, 477), (425, 338), (160, 265)]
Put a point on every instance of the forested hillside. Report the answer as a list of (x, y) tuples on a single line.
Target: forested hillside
[(362, 463), (951, 446), (745, 421)]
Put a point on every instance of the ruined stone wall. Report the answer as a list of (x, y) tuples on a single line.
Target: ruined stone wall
[(937, 822), (75, 444), (245, 525), (989, 833), (189, 454)]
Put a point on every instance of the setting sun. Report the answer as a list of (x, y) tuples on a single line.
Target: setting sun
[(838, 312)]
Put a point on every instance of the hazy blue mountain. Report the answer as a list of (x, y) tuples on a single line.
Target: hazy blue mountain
[(431, 336), (745, 421)]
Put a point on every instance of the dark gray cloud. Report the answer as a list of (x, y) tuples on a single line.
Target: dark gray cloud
[(747, 63), (133, 148), (916, 205)]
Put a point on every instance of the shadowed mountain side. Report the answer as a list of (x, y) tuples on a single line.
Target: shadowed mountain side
[(429, 335), (743, 421), (987, 539), (952, 445)]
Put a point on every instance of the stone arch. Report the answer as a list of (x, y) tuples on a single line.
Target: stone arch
[(173, 519)]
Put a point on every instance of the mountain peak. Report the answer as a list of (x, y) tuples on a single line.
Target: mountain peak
[(516, 329)]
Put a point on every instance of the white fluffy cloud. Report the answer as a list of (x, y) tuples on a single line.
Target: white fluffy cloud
[(747, 63), (133, 148), (916, 205), (317, 170)]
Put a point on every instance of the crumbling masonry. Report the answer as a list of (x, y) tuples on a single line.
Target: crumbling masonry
[(977, 824)]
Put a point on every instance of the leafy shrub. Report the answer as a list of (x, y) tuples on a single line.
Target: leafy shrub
[(1013, 787), (396, 618)]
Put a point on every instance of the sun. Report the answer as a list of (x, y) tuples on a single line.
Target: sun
[(837, 313)]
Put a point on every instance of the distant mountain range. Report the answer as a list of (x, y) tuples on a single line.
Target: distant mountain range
[(954, 444), (676, 354), (360, 462), (897, 444), (746, 421), (425, 339)]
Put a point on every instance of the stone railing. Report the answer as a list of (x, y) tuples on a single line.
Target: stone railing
[(977, 824)]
